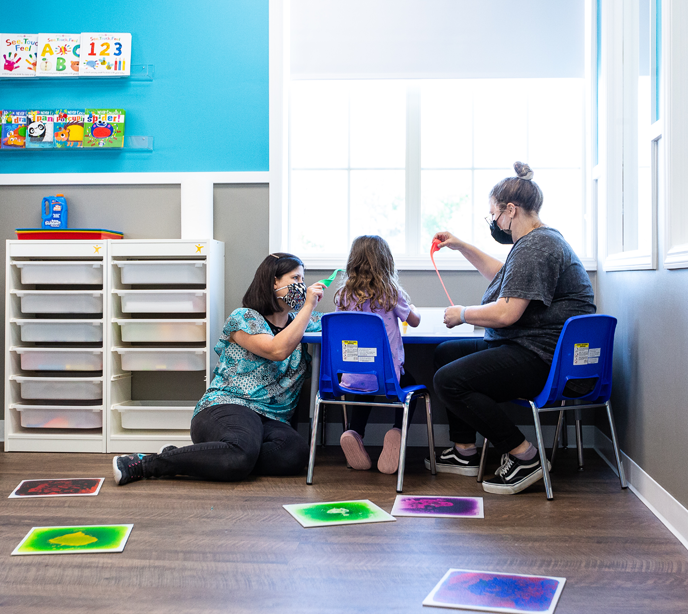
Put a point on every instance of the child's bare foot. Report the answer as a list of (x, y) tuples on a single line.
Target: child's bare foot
[(389, 458), (355, 452)]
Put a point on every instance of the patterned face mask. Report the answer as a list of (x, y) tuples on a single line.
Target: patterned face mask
[(295, 296)]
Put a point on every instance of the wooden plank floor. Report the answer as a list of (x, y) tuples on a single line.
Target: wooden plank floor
[(206, 547)]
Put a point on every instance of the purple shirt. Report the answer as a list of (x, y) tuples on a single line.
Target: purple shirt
[(391, 319)]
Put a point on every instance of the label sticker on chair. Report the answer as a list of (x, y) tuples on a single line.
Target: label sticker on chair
[(350, 351), (581, 353), (367, 354)]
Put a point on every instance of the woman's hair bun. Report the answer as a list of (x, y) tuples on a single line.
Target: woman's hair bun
[(523, 170)]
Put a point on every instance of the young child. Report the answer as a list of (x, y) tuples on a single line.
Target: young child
[(372, 286)]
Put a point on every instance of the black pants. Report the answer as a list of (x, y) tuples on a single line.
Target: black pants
[(471, 380), (359, 415), (231, 441)]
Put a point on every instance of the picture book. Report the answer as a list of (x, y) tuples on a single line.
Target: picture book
[(19, 54), (496, 592), (61, 487), (104, 128), (337, 512), (58, 55), (13, 130), (69, 128), (40, 127), (74, 540), (105, 55), (438, 507)]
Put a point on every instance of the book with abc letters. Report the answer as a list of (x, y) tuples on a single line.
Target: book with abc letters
[(104, 127), (58, 55)]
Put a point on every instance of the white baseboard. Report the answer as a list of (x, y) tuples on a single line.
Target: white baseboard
[(661, 503)]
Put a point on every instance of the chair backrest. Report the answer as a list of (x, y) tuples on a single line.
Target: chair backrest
[(357, 343), (582, 364)]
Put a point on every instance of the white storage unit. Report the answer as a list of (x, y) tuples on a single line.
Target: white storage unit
[(166, 305), (55, 389)]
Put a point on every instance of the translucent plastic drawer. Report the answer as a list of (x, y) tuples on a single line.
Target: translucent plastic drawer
[(170, 415), (53, 272), (162, 359), (59, 301), (162, 330), (59, 417), (65, 331), (168, 272), (162, 301), (60, 359), (60, 388)]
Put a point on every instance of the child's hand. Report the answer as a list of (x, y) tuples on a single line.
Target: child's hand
[(413, 317)]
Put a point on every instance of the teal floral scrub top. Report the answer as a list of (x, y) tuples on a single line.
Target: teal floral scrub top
[(268, 387)]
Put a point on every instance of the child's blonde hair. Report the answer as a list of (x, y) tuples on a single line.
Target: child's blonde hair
[(371, 275)]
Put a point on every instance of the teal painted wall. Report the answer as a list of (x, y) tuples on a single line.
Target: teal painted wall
[(207, 107)]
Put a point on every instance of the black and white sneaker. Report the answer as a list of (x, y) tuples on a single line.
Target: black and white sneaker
[(450, 461), (514, 475), (167, 448), (128, 468)]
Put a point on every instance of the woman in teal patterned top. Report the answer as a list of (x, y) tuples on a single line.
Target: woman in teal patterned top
[(241, 424)]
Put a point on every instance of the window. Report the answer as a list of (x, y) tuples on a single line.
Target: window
[(630, 68), (407, 158)]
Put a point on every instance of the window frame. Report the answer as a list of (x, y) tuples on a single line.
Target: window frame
[(619, 45)]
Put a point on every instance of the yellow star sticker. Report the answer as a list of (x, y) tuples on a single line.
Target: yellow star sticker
[(97, 248), (199, 248)]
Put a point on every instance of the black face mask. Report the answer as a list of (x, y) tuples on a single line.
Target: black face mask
[(501, 236)]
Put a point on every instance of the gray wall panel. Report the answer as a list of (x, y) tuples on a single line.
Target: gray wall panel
[(141, 212), (650, 390)]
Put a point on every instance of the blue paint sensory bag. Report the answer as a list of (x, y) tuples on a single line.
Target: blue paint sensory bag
[(54, 212)]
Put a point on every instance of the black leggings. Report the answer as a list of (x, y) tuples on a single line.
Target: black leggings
[(359, 414), (471, 380), (231, 441)]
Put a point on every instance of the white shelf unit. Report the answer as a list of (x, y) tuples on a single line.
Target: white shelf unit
[(166, 306), (55, 333)]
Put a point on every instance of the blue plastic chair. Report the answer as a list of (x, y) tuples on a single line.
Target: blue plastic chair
[(581, 372), (356, 342)]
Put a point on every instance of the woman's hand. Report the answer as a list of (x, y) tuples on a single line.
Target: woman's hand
[(314, 294), (452, 316), (447, 239)]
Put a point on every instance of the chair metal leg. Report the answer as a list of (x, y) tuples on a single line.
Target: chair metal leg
[(402, 448), (431, 434), (579, 438), (314, 440), (483, 461), (345, 418), (565, 434), (615, 443), (323, 436), (541, 450), (557, 434)]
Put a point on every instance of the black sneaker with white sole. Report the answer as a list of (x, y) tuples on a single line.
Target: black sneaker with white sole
[(514, 475), (450, 461)]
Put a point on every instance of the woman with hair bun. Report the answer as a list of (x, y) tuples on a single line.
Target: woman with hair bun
[(530, 296)]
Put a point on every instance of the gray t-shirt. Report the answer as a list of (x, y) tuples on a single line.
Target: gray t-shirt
[(543, 268)]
